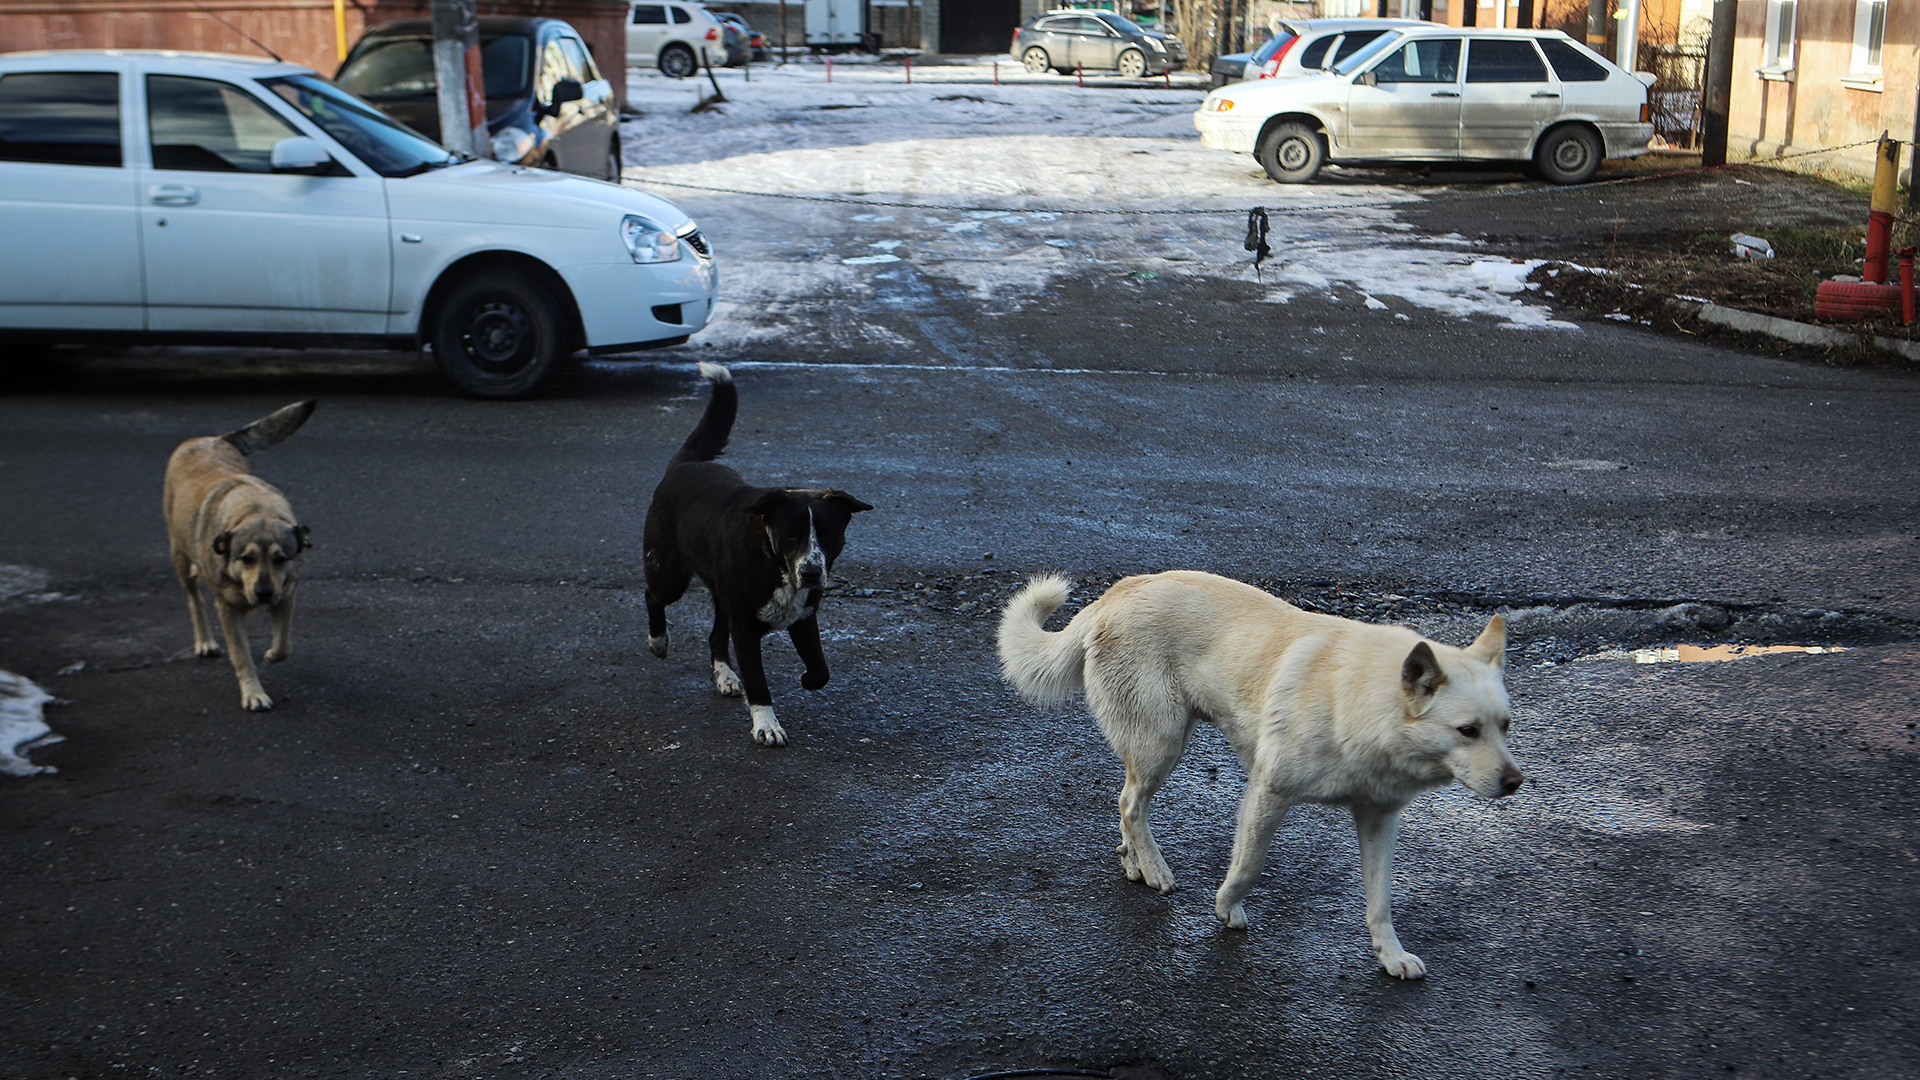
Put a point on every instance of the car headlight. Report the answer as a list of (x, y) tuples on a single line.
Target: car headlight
[(512, 144), (1220, 104), (647, 241), (1158, 45)]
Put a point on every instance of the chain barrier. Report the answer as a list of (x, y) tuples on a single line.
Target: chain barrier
[(1384, 204)]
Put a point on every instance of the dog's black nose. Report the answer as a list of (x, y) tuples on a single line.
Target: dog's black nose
[(1510, 781), (265, 592)]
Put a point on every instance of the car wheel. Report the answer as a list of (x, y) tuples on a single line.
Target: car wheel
[(1568, 155), (677, 62), (1036, 60), (1291, 153), (499, 334), (1132, 64)]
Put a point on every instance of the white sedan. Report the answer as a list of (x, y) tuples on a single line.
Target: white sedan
[(1440, 93), (157, 197)]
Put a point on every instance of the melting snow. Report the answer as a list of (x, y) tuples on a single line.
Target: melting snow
[(22, 728)]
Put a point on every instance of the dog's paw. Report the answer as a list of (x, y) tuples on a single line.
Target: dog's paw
[(205, 648), (278, 656), (1234, 915), (766, 730), (1403, 965), (255, 701), (658, 646), (814, 680), (726, 682)]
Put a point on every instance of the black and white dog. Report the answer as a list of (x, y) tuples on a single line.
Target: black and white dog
[(764, 554)]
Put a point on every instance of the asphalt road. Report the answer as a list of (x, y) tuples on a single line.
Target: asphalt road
[(484, 834)]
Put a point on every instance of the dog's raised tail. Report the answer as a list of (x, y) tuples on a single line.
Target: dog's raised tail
[(272, 429), (1045, 667), (710, 435)]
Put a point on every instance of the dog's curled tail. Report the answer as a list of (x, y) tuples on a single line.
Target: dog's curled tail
[(1045, 667), (710, 435), (272, 429)]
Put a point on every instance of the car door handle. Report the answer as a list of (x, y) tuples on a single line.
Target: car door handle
[(1445, 93), (1545, 93), (173, 194)]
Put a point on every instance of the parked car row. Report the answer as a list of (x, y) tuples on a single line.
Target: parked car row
[(1301, 47), (1440, 93), (189, 198)]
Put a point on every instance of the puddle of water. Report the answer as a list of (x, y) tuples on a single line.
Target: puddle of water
[(1707, 654), (21, 726)]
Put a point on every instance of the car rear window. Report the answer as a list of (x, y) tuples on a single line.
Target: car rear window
[(1274, 44), (649, 15), (1353, 42), (60, 117), (1504, 62), (1571, 64), (1314, 56)]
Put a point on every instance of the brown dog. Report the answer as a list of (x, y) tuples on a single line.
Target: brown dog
[(236, 533)]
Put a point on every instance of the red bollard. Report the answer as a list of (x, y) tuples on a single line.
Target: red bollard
[(1168, 73), (1079, 74), (1879, 240), (996, 73), (829, 69), (1906, 287), (909, 70)]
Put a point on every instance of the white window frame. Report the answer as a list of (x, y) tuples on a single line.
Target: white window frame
[(1867, 71), (1777, 48)]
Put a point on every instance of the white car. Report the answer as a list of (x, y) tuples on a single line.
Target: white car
[(1440, 93), (159, 197), (677, 38)]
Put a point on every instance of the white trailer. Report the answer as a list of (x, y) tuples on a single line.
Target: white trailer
[(836, 24)]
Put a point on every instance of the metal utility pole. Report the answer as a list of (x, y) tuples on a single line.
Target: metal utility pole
[(1717, 103), (1627, 48), (456, 67)]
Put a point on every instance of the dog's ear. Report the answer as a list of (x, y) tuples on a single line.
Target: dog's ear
[(1421, 678), (1491, 646), (302, 532), (222, 544), (845, 501)]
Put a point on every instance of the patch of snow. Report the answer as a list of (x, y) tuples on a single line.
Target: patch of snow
[(22, 727)]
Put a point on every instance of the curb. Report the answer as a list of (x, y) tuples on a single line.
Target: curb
[(1798, 333)]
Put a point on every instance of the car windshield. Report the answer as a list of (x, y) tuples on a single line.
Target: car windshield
[(387, 146), (1359, 60), (1119, 22), (1265, 52), (400, 68)]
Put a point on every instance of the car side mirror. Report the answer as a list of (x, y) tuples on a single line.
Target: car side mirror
[(563, 91), (1367, 78), (297, 153)]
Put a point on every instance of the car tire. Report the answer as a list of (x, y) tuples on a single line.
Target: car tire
[(677, 62), (1132, 64), (1569, 154), (1291, 153), (1036, 60), (499, 334)]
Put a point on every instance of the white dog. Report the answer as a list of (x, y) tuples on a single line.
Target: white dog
[(1319, 709)]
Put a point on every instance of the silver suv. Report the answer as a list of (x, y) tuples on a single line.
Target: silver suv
[(1097, 40)]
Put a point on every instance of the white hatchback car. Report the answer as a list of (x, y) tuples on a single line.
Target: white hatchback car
[(157, 197), (1440, 93), (677, 38)]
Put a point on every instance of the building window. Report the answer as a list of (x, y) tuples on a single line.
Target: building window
[(1869, 44), (1776, 55)]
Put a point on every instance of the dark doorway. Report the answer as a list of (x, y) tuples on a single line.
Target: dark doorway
[(978, 26)]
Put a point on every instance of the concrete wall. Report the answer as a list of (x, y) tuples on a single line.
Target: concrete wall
[(1814, 107)]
